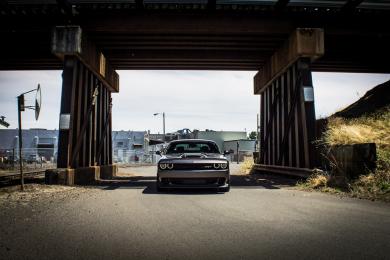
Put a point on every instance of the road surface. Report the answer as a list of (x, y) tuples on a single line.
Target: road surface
[(259, 218)]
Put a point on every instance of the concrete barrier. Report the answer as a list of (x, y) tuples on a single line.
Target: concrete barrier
[(108, 172), (352, 160), (81, 176), (60, 176)]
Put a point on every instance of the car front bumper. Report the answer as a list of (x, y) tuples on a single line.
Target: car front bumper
[(194, 178)]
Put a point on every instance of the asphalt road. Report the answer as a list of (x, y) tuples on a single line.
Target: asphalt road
[(128, 219)]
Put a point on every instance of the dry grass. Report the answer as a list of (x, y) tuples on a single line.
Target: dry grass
[(373, 186), (247, 165), (372, 129), (318, 181), (367, 129)]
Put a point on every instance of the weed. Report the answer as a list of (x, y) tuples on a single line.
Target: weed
[(247, 165)]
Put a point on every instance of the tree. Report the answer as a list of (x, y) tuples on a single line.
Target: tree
[(253, 135)]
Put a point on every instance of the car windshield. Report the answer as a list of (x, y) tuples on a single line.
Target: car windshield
[(192, 147)]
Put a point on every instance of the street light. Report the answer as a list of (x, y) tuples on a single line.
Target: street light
[(163, 114)]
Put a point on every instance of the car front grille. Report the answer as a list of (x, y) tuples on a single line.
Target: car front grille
[(192, 166), (192, 181)]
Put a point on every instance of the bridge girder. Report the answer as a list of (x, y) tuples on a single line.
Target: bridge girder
[(356, 41)]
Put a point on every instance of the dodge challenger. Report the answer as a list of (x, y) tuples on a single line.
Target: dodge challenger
[(193, 163)]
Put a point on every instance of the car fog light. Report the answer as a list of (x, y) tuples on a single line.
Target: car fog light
[(217, 165), (223, 165), (170, 166), (163, 166)]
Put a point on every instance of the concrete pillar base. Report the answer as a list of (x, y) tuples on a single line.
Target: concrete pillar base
[(108, 172), (81, 176), (87, 175), (60, 176)]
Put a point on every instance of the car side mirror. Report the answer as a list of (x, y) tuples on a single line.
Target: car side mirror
[(158, 152), (226, 152)]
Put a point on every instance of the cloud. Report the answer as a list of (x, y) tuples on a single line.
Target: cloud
[(190, 99), (220, 100), (334, 91), (13, 83)]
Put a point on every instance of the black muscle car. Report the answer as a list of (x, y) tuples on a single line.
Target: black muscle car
[(193, 163)]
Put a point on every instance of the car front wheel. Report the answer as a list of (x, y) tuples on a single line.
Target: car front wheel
[(226, 189)]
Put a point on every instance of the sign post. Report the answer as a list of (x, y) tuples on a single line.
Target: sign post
[(22, 107)]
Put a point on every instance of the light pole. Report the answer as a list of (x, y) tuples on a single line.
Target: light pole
[(163, 114)]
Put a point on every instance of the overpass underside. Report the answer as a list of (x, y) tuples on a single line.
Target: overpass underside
[(283, 40)]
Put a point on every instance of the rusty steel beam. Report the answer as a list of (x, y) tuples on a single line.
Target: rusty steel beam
[(85, 105), (65, 140), (139, 4), (350, 5), (70, 40), (211, 4), (303, 42), (288, 118), (281, 4)]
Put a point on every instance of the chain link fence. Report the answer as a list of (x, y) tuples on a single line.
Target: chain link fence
[(32, 158), (134, 157)]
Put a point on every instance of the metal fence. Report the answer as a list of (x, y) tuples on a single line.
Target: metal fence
[(32, 158), (46, 158), (126, 156)]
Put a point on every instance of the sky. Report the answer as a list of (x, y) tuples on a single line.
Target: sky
[(218, 100)]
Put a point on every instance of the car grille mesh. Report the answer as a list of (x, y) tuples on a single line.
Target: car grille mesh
[(192, 181), (197, 166)]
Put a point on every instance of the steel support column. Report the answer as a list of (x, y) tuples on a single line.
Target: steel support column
[(288, 118), (84, 147), (85, 110), (287, 102)]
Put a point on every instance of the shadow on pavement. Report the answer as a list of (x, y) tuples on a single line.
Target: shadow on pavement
[(268, 181), (148, 183)]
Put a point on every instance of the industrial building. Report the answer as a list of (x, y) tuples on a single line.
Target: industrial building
[(128, 146)]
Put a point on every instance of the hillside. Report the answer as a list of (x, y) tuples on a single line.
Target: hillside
[(374, 100), (365, 121)]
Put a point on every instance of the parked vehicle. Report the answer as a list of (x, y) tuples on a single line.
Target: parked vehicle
[(193, 163), (34, 158), (12, 159)]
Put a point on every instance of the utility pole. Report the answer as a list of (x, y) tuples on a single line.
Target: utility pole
[(238, 155), (164, 125), (163, 114), (258, 132)]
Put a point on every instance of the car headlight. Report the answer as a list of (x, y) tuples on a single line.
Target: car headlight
[(170, 166), (217, 165), (163, 166), (224, 165)]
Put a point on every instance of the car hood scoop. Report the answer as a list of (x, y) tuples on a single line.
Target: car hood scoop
[(195, 156)]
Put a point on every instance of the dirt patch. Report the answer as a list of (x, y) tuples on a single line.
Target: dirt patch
[(13, 196)]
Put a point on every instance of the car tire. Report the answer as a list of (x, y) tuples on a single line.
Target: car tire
[(158, 185), (226, 189)]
